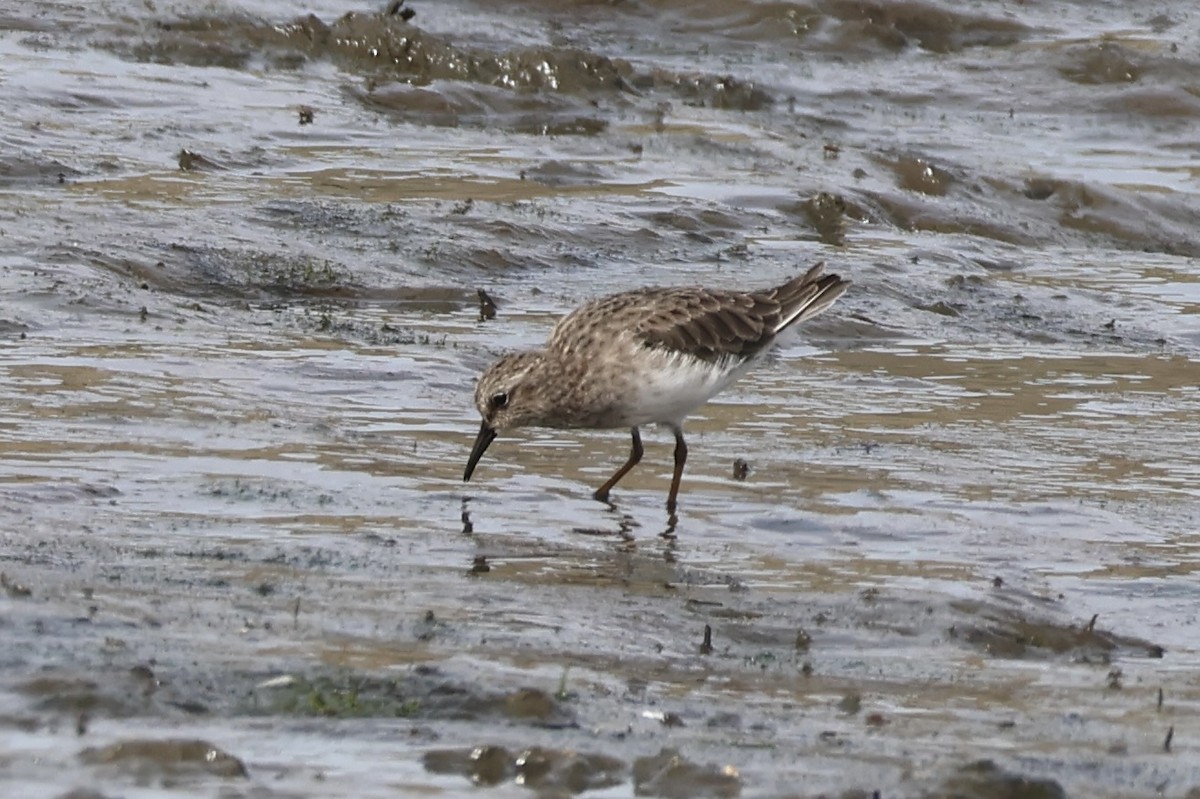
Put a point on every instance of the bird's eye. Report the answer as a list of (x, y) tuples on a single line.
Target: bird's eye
[(499, 400)]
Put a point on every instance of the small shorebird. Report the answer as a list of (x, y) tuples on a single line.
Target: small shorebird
[(646, 356)]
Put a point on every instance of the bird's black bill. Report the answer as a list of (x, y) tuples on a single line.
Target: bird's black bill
[(486, 436)]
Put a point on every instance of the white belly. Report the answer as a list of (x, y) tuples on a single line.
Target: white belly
[(667, 387)]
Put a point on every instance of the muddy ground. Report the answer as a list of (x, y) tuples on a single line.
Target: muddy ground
[(240, 253)]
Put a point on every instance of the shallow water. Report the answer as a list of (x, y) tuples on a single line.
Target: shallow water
[(239, 348)]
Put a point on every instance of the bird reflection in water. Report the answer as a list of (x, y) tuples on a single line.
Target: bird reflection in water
[(626, 526)]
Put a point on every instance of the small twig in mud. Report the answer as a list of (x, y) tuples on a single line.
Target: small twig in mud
[(1167, 742), (706, 646), (1091, 625), (1160, 699)]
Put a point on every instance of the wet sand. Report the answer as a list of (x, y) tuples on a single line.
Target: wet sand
[(240, 250)]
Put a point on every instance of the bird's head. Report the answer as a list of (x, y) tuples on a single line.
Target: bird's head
[(507, 396)]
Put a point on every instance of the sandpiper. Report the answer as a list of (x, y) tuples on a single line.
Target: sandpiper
[(651, 355)]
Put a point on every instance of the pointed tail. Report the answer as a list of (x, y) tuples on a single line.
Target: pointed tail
[(806, 296)]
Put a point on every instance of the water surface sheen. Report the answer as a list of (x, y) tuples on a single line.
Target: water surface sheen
[(240, 249)]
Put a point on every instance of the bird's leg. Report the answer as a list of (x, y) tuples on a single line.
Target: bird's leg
[(635, 455), (680, 459)]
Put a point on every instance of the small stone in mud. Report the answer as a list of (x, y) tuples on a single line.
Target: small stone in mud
[(307, 114), (832, 151), (487, 306), (480, 566), (741, 469)]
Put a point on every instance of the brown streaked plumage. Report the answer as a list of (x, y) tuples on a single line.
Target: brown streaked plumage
[(646, 356)]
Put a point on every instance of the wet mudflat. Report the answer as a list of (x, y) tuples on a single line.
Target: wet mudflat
[(945, 544)]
